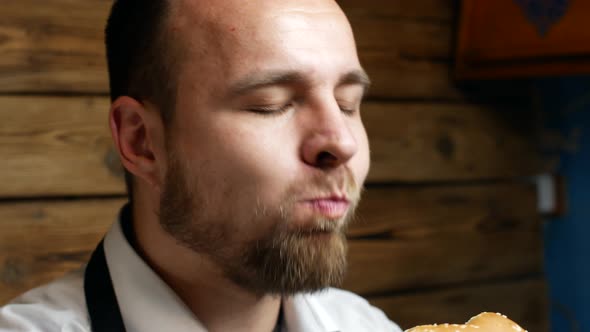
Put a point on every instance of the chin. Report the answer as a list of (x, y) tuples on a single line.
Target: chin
[(293, 262)]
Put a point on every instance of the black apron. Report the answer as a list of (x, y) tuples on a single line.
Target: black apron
[(101, 301), (103, 308)]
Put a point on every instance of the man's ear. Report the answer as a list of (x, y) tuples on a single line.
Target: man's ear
[(138, 133)]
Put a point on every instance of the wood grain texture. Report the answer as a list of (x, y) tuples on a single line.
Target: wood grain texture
[(422, 236), (398, 211), (40, 241), (53, 46), (57, 46), (56, 146), (405, 47), (523, 301), (420, 10), (443, 142)]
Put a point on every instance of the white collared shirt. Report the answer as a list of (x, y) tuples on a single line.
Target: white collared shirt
[(148, 304)]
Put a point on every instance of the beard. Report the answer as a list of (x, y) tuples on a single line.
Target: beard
[(282, 259)]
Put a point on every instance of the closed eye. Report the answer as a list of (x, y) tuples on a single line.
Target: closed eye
[(348, 110), (349, 107), (270, 110)]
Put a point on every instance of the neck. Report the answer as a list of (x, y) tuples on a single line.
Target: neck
[(218, 303)]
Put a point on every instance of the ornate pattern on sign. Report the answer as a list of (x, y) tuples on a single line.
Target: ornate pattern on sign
[(543, 13)]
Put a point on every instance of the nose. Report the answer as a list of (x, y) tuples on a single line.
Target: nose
[(329, 142)]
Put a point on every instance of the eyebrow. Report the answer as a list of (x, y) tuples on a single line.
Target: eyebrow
[(260, 80), (357, 76)]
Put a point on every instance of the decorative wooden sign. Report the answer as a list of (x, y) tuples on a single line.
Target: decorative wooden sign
[(520, 38)]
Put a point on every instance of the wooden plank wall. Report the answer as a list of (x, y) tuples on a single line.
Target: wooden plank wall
[(447, 229)]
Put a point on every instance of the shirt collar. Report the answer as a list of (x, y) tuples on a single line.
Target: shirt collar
[(148, 304), (304, 313)]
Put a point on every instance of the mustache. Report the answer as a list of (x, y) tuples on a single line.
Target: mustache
[(340, 183)]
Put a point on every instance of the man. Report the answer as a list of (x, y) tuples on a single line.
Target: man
[(238, 123)]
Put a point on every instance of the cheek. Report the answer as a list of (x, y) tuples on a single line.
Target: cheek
[(360, 163), (245, 165), (268, 163)]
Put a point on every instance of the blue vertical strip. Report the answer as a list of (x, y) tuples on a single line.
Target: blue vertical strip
[(565, 105)]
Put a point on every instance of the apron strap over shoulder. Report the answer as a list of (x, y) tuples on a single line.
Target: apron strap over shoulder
[(105, 315)]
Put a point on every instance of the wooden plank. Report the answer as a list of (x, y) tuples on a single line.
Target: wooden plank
[(405, 46), (438, 10), (53, 46), (523, 301), (375, 36), (379, 265), (55, 146), (417, 237), (487, 231), (50, 49), (404, 212), (443, 142), (40, 241), (397, 77)]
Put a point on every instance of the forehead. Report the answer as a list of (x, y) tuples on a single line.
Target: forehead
[(235, 35), (240, 11)]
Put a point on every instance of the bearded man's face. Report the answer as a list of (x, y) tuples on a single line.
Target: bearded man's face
[(267, 152)]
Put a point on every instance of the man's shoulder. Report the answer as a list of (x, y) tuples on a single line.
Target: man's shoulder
[(349, 309), (57, 306)]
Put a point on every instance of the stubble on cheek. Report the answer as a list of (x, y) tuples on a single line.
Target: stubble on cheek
[(186, 212)]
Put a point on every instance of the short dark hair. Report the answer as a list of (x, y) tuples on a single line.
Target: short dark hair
[(140, 56)]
